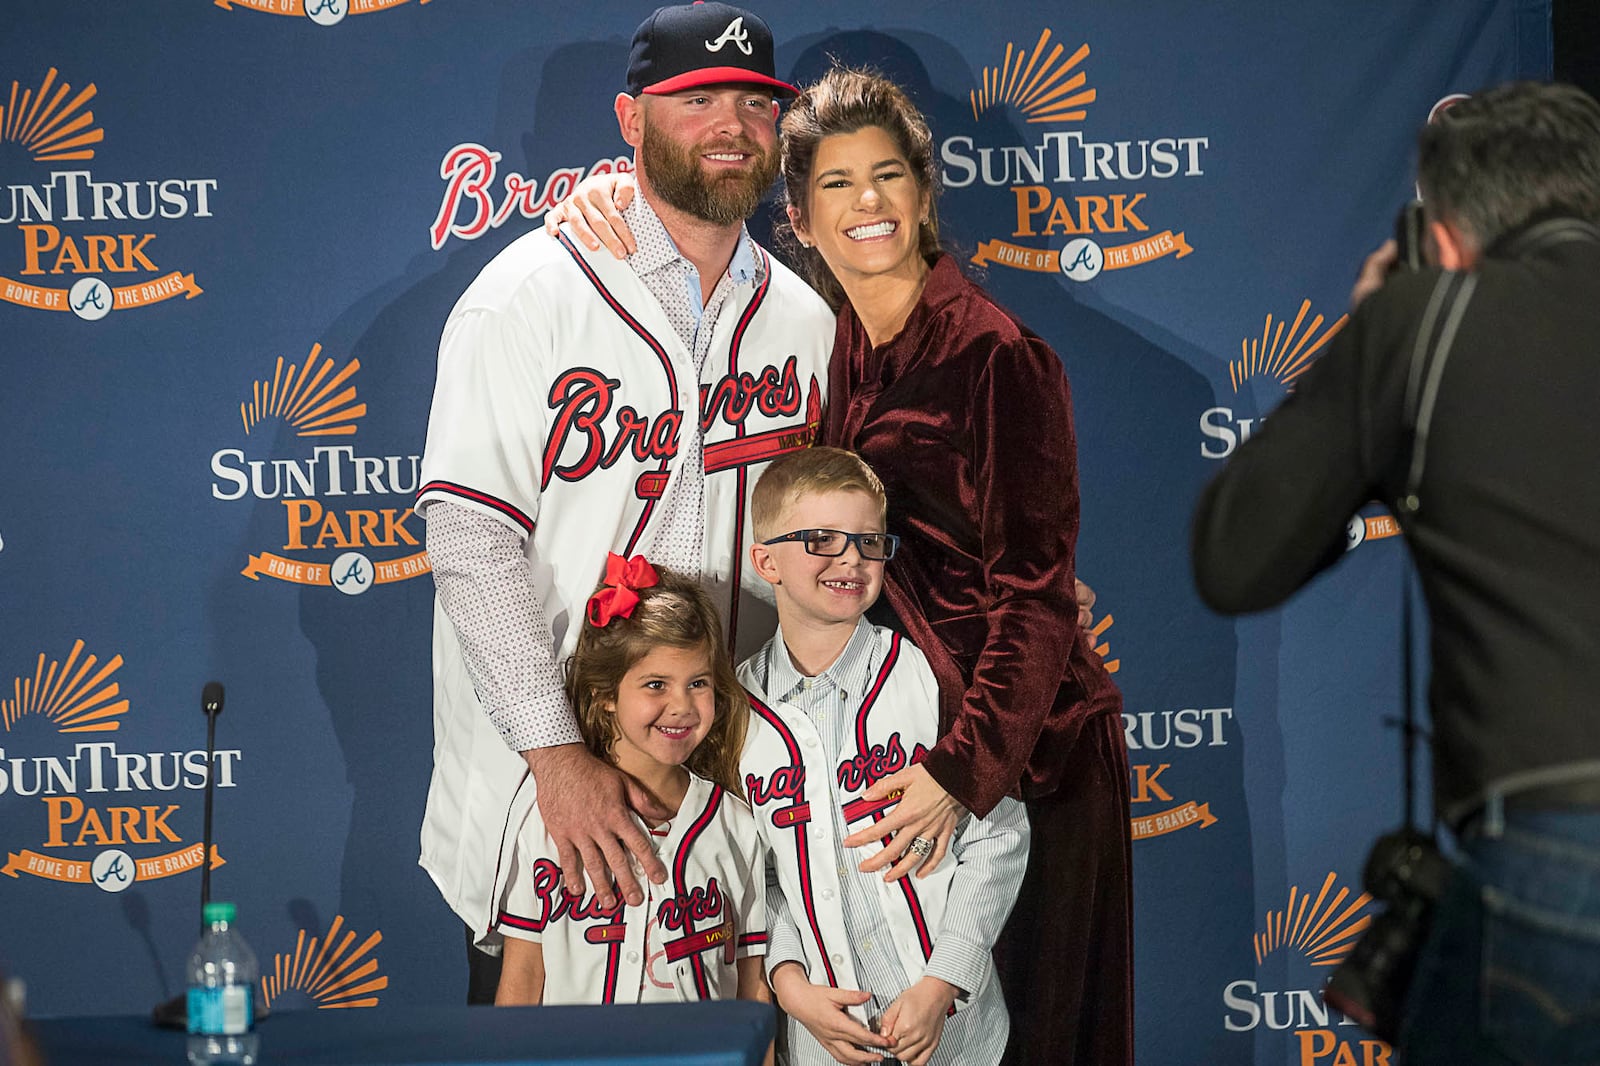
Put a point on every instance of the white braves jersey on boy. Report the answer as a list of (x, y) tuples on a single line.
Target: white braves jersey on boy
[(561, 391), (791, 789), (681, 943)]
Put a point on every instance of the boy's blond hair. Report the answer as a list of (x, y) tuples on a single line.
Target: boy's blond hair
[(803, 473)]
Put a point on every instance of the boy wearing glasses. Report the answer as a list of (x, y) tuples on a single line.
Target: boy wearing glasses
[(902, 968)]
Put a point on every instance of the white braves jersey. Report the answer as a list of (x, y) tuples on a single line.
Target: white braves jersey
[(681, 943), (560, 394), (790, 789)]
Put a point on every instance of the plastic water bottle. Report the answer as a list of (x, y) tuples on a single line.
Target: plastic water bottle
[(221, 1002)]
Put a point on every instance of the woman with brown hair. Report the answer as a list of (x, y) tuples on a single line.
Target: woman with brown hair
[(967, 417)]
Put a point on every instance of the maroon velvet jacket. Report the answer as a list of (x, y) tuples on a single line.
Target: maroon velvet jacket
[(967, 418)]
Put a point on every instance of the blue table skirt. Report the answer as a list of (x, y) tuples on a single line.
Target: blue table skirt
[(727, 1033)]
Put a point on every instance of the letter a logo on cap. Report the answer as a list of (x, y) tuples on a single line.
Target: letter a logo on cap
[(735, 33)]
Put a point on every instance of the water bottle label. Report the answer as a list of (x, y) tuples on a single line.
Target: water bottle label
[(220, 1011)]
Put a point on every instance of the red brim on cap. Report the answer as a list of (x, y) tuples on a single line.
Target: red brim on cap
[(719, 76)]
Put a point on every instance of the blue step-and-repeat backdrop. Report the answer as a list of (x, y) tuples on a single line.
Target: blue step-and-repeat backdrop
[(230, 231)]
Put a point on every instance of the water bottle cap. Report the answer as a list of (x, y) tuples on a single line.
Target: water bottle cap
[(218, 912)]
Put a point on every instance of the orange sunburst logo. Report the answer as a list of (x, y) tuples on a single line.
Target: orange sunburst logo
[(307, 398), (1283, 353), (328, 970), (73, 694), (1323, 929), (1102, 648), (48, 124), (1043, 87)]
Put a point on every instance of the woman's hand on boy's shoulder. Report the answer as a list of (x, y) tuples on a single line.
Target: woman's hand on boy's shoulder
[(925, 812)]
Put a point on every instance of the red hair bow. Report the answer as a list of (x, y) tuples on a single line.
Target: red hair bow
[(620, 596)]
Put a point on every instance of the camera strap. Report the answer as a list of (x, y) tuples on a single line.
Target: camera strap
[(1447, 304), (1441, 320)]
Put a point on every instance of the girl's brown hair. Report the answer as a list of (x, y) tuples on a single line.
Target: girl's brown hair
[(675, 613), (846, 100)]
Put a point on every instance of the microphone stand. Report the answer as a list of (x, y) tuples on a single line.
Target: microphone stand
[(174, 1013)]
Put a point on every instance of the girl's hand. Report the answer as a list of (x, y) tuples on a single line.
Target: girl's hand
[(822, 1010), (926, 810), (594, 213), (915, 1020)]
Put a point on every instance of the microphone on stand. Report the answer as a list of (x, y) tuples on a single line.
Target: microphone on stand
[(174, 1013)]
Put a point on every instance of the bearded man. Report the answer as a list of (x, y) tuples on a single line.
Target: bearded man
[(585, 406)]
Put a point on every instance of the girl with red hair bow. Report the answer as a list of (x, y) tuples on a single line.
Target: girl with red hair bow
[(655, 695)]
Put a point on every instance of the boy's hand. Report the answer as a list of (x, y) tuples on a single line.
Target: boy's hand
[(926, 810), (915, 1020), (821, 1010), (594, 212)]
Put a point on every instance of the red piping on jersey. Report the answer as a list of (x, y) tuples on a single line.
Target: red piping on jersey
[(450, 488), (613, 959), (739, 494), (924, 939), (655, 346), (800, 843), (680, 878)]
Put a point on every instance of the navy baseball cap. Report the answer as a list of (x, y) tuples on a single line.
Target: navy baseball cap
[(704, 43)]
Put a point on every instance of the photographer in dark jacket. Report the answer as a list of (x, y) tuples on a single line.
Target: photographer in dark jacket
[(1493, 355)]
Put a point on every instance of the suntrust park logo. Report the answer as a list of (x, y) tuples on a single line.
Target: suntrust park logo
[(327, 972), (84, 244), (1270, 363), (334, 544), (1088, 199), (1152, 737), (65, 710), (1316, 930), (322, 12)]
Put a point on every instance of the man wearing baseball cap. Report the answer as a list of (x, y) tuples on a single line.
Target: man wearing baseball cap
[(585, 405)]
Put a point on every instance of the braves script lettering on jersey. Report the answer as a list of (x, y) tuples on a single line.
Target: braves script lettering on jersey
[(561, 397), (806, 790), (681, 943)]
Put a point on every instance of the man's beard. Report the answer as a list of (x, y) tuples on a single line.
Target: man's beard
[(677, 176)]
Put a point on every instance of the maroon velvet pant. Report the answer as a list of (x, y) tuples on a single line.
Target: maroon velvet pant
[(1065, 958)]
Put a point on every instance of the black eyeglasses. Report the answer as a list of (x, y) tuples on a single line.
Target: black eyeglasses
[(877, 547)]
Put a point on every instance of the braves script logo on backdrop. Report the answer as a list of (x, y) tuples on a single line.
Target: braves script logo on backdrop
[(1319, 930), (318, 401), (325, 972), (322, 12), (478, 199), (69, 708), (86, 246), (1065, 186)]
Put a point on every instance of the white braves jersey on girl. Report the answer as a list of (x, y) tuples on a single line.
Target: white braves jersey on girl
[(681, 943), (560, 395)]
